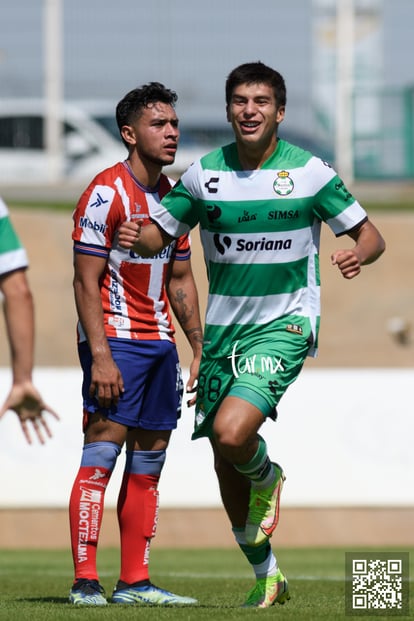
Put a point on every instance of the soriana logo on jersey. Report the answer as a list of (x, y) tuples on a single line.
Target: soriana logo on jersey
[(283, 184)]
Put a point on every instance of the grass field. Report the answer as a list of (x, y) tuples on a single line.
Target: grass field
[(35, 585)]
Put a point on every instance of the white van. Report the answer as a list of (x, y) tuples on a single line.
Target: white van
[(87, 146), (91, 141)]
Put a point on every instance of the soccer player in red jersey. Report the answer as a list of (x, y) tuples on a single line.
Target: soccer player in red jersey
[(132, 387)]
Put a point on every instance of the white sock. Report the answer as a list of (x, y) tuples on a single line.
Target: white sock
[(267, 482)]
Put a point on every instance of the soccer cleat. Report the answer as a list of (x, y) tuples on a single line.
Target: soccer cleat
[(146, 593), (268, 591), (86, 592), (263, 513)]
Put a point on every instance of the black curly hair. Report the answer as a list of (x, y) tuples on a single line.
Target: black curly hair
[(130, 107)]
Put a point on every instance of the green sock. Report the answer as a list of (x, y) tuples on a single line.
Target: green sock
[(256, 555), (259, 469)]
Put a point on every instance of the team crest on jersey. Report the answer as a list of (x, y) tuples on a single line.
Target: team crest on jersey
[(135, 212), (283, 185)]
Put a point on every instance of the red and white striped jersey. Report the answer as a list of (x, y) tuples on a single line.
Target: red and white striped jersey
[(133, 293)]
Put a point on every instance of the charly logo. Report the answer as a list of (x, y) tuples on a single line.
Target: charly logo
[(283, 185), (221, 243), (213, 213), (210, 185)]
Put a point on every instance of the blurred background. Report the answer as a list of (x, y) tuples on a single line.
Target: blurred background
[(64, 65), (344, 430)]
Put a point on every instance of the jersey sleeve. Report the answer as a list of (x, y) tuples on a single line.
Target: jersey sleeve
[(13, 255), (336, 206), (182, 251), (96, 218), (177, 213)]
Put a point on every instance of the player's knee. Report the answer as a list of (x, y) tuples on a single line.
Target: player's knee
[(228, 438), (100, 454)]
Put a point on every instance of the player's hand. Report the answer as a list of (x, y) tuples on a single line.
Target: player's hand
[(107, 383), (128, 233), (192, 383), (348, 262), (192, 389), (25, 400)]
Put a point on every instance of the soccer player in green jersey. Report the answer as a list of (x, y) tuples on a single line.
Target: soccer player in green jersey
[(260, 203), (24, 398)]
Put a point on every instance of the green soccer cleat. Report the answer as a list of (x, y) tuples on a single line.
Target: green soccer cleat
[(263, 513), (268, 591), (86, 592), (146, 593)]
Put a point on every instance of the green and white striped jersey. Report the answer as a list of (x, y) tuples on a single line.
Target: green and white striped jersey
[(12, 254), (260, 232)]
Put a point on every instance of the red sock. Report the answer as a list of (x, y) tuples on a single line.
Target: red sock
[(137, 516), (85, 516)]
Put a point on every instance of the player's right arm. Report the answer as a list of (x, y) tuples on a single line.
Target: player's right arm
[(24, 398), (146, 241), (173, 217), (106, 379)]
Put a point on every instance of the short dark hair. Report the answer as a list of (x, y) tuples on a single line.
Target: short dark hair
[(130, 107), (256, 73)]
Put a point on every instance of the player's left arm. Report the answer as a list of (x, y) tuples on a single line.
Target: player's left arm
[(183, 296), (369, 246)]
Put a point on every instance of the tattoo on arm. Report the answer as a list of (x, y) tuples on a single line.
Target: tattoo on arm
[(196, 334), (184, 313)]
